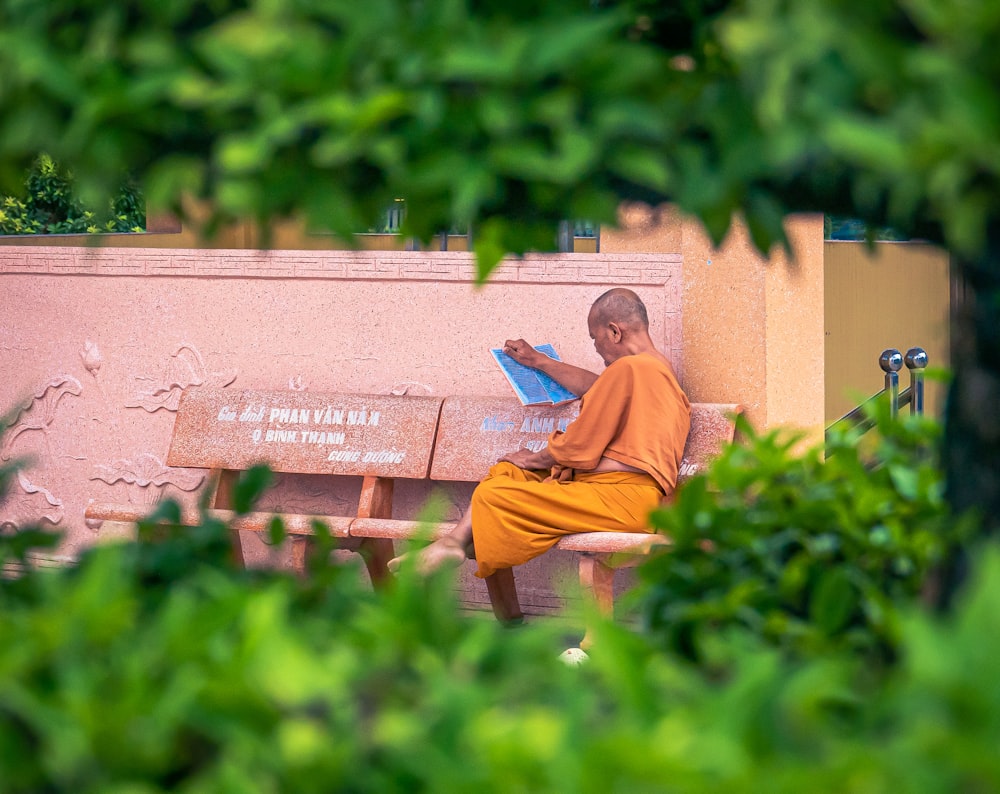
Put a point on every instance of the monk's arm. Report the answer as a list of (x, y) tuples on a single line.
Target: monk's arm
[(526, 459), (577, 379)]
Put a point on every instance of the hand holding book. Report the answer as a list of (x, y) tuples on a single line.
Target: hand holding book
[(532, 386), (524, 353)]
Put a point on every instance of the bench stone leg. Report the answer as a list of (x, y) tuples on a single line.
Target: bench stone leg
[(597, 580), (222, 482), (376, 502), (237, 548), (503, 596), (301, 548)]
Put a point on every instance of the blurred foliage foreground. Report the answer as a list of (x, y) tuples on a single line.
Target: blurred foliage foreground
[(781, 646)]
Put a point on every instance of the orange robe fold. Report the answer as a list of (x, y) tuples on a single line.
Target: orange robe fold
[(635, 413)]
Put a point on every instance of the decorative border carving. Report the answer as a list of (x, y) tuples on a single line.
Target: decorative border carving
[(620, 268)]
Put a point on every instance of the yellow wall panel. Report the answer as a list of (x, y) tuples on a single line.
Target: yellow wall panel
[(896, 295)]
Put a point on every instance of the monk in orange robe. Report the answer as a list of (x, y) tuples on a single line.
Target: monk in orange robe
[(605, 472)]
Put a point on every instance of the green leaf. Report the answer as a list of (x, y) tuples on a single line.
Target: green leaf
[(250, 486), (276, 533), (833, 601), (488, 243), (906, 479)]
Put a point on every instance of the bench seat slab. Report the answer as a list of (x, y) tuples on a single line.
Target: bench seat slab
[(295, 523)]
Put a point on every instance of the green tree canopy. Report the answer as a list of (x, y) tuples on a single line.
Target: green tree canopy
[(47, 204), (513, 115)]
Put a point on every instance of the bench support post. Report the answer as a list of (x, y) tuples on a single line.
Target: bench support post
[(301, 547), (503, 596), (597, 580), (376, 502), (220, 496)]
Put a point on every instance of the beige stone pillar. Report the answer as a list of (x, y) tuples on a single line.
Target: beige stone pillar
[(753, 327)]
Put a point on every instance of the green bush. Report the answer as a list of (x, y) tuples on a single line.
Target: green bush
[(130, 674), (156, 665), (809, 550), (49, 206)]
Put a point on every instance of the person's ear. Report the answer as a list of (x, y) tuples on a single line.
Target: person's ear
[(616, 332)]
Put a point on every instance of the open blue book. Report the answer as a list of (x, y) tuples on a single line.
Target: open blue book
[(532, 386)]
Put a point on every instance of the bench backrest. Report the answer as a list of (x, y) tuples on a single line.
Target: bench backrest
[(455, 438), (305, 433), (475, 431)]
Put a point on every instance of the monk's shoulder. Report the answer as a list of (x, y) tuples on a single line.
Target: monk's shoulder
[(640, 363), (654, 374)]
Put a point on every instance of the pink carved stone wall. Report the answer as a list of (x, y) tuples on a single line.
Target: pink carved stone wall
[(98, 343)]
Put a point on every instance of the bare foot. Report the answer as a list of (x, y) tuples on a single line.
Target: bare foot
[(443, 552)]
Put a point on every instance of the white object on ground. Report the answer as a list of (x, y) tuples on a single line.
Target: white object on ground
[(573, 656)]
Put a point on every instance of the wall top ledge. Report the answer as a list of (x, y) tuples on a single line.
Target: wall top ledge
[(625, 268)]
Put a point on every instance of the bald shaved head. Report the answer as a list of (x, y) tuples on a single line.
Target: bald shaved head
[(621, 306)]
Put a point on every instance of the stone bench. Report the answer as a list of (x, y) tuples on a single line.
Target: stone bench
[(384, 439), (473, 432), (380, 438)]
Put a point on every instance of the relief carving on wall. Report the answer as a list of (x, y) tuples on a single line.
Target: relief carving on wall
[(91, 357), (310, 494), (40, 411), (27, 504), (185, 368), (148, 470), (411, 387), (455, 508)]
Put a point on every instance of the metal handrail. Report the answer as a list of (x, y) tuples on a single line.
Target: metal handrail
[(891, 361)]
